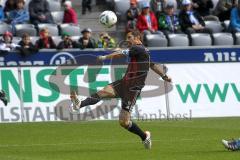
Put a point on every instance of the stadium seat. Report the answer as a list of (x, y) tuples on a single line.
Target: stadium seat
[(57, 16), (52, 28), (72, 29), (201, 39), (2, 3), (177, 40), (237, 36), (27, 3), (75, 38), (216, 26), (5, 27), (56, 39), (55, 5), (25, 28), (16, 40), (156, 40), (34, 39), (222, 39), (226, 25), (121, 8), (140, 2)]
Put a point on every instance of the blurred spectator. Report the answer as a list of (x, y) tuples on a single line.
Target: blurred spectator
[(10, 5), (223, 9), (25, 46), (168, 21), (45, 40), (1, 14), (19, 15), (67, 42), (147, 22), (6, 43), (132, 14), (70, 15), (203, 8), (157, 6), (62, 2), (191, 21), (106, 41), (40, 12), (86, 41), (86, 4), (235, 19)]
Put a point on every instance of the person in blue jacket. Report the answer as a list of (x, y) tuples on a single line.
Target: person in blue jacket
[(1, 14), (235, 19), (19, 15)]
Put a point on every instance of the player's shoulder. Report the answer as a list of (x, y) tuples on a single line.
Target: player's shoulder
[(138, 47)]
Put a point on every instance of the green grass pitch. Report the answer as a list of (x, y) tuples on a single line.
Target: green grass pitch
[(196, 139)]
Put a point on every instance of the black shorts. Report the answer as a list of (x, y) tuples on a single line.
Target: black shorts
[(127, 94)]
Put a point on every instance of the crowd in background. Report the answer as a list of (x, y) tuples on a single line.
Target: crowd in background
[(181, 16), (154, 17), (15, 12)]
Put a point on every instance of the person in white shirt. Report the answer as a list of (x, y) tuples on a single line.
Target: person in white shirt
[(6, 43)]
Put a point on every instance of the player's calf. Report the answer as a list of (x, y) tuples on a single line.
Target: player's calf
[(125, 122)]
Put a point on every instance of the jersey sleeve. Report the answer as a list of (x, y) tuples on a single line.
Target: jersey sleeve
[(133, 51), (125, 52)]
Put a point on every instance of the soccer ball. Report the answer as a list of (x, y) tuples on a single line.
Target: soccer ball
[(108, 18)]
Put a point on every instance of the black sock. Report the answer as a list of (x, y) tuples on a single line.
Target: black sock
[(133, 127), (90, 100)]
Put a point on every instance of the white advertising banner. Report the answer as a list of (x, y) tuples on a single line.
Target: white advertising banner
[(9, 78), (198, 90), (45, 94), (207, 90)]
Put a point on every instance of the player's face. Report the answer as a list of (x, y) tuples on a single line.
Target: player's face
[(130, 39)]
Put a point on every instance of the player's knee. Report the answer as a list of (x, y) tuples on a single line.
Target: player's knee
[(124, 123)]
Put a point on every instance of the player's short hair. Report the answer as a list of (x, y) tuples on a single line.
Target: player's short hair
[(137, 33)]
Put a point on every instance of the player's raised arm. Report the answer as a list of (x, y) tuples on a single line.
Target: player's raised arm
[(119, 53), (159, 70)]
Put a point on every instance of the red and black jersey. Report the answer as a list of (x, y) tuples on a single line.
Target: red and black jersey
[(138, 66), (129, 88)]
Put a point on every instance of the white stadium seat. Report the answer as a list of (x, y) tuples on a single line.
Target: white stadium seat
[(156, 40), (25, 28), (216, 26), (223, 39), (201, 39), (5, 27), (178, 40), (72, 29)]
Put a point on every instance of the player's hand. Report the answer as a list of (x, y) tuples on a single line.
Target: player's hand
[(101, 58), (167, 78)]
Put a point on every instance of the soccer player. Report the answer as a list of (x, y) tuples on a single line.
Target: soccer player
[(3, 97), (232, 145), (129, 87)]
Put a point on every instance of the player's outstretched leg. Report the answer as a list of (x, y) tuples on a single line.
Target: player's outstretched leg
[(232, 145), (106, 92), (3, 97), (125, 122)]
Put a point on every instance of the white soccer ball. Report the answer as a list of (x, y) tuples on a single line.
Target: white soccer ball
[(108, 18)]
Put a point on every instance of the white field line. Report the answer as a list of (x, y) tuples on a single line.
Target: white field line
[(82, 143)]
